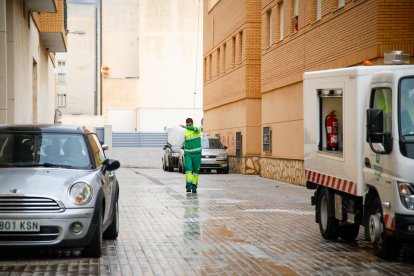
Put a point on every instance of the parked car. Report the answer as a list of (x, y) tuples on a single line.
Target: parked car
[(170, 157), (214, 156), (58, 189)]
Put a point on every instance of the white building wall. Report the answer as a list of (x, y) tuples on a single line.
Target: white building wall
[(168, 43), (166, 32)]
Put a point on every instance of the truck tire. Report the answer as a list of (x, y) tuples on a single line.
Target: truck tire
[(349, 232), (328, 224), (386, 247)]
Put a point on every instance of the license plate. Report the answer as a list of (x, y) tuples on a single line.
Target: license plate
[(19, 225)]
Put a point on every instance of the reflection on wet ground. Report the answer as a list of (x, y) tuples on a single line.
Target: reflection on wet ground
[(243, 225)]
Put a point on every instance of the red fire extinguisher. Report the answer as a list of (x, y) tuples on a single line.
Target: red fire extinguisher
[(331, 127)]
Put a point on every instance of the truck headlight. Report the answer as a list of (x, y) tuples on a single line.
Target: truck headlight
[(406, 191), (80, 193), (222, 156)]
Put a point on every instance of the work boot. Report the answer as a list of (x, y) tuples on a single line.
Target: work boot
[(194, 191), (188, 190)]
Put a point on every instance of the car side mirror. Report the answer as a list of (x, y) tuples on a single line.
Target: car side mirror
[(225, 147), (110, 165), (105, 147), (375, 131)]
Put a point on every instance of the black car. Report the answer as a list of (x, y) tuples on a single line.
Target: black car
[(171, 157)]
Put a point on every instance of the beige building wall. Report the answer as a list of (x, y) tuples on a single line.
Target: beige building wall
[(153, 63), (27, 68), (337, 36), (232, 98), (120, 52), (3, 63), (343, 36)]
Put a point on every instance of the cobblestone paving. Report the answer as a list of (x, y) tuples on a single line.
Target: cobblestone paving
[(235, 225)]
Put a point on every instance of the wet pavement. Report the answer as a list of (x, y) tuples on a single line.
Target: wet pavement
[(235, 225)]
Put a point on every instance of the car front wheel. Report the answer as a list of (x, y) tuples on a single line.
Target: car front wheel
[(113, 229), (94, 249)]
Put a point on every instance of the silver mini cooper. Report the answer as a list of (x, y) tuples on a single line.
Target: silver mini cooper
[(57, 189)]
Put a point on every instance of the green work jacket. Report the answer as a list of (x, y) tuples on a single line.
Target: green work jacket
[(192, 142)]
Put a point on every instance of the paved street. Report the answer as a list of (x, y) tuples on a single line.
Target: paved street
[(235, 225)]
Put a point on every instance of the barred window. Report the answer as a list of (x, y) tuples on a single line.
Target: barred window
[(267, 139), (239, 144), (61, 100)]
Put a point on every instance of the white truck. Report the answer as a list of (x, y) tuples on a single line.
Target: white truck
[(362, 168)]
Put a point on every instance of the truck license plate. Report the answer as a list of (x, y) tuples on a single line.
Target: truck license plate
[(19, 225)]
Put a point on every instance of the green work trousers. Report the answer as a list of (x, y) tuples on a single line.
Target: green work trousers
[(192, 169)]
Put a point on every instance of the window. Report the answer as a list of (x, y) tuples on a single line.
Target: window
[(233, 58), (239, 144), (61, 100), (318, 9), (205, 69), (61, 78), (406, 105), (270, 26), (341, 3), (240, 48), (97, 151), (267, 139), (295, 18), (218, 68), (224, 57), (210, 64), (382, 99), (281, 25)]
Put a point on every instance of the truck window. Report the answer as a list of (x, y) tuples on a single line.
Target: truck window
[(331, 121), (407, 107), (382, 99)]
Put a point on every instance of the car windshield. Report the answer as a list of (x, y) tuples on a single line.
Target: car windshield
[(211, 143), (29, 149), (407, 108)]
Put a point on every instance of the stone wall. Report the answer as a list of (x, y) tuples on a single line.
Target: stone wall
[(286, 170), (245, 165)]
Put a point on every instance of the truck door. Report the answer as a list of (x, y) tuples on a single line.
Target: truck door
[(378, 167)]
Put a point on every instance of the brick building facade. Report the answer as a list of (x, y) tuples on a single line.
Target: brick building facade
[(260, 95)]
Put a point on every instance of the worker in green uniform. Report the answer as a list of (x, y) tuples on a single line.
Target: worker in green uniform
[(192, 155)]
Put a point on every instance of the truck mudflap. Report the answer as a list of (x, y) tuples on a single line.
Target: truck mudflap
[(404, 228), (330, 181)]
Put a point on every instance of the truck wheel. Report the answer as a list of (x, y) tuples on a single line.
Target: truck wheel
[(328, 225), (349, 232), (385, 247)]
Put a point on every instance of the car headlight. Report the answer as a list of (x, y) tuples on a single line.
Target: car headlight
[(80, 193), (222, 156), (406, 191)]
